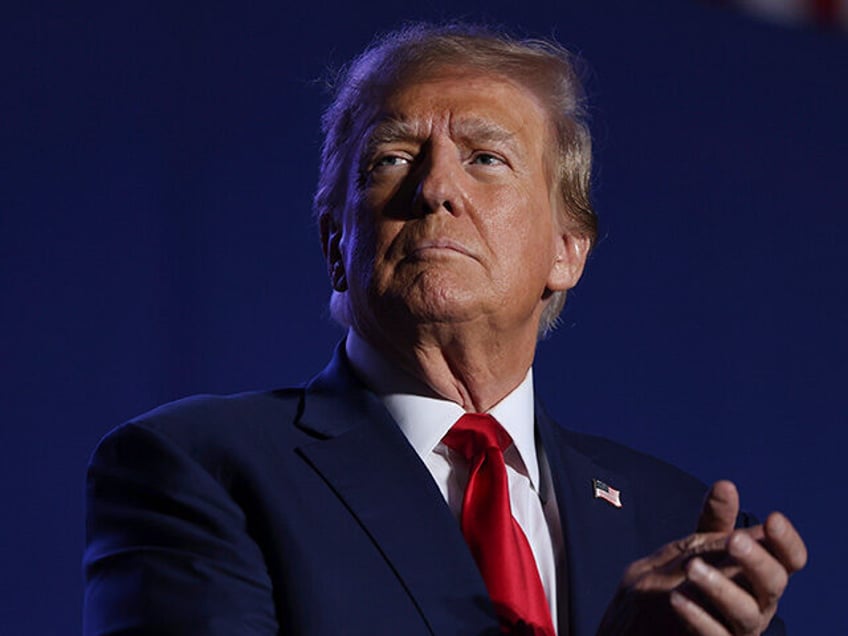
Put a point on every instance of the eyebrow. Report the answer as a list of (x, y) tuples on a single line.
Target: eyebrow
[(468, 130), (477, 129), (391, 129)]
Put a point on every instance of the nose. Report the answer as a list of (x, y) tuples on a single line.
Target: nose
[(440, 180)]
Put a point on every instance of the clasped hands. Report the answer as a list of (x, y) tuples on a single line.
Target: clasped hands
[(716, 582)]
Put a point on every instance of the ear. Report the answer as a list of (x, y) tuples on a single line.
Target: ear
[(331, 237), (570, 252)]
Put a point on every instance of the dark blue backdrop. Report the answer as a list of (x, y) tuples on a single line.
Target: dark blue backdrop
[(157, 166)]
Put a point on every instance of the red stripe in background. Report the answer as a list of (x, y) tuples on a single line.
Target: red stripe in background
[(825, 11)]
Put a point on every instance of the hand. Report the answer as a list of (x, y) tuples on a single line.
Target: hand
[(718, 581), (743, 596)]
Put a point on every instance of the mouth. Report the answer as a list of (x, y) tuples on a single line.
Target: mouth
[(435, 247)]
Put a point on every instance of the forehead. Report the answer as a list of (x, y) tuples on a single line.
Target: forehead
[(467, 102)]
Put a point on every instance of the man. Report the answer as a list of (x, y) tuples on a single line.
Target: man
[(415, 486)]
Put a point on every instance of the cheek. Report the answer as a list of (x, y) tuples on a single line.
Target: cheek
[(367, 248), (525, 228), (357, 245)]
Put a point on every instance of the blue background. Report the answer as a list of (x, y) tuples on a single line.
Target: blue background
[(157, 167)]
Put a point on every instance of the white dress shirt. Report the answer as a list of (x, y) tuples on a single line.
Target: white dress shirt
[(425, 420)]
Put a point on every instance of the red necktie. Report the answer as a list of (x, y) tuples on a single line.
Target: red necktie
[(496, 540)]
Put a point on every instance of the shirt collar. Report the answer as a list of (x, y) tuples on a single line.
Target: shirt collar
[(425, 419)]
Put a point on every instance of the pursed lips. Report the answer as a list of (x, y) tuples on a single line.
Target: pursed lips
[(435, 246)]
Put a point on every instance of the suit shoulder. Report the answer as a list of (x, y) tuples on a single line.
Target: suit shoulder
[(215, 425), (224, 409)]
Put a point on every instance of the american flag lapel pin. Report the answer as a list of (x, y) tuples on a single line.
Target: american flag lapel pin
[(607, 493)]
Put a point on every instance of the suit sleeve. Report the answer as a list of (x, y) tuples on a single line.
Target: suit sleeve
[(168, 550)]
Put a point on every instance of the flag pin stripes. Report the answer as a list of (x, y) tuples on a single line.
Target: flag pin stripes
[(607, 493)]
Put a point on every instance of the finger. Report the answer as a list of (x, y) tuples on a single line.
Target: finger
[(713, 549), (766, 576), (655, 572), (695, 617), (784, 541), (734, 605), (668, 562), (720, 509)]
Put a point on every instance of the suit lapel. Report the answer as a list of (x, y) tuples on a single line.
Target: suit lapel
[(371, 467), (599, 538), (365, 459)]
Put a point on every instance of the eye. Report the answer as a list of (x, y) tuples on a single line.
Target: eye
[(386, 166), (486, 159), (390, 161)]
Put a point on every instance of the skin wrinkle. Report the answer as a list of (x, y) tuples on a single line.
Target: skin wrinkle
[(541, 70), (453, 244), (469, 131)]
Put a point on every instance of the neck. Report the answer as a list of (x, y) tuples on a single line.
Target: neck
[(476, 370)]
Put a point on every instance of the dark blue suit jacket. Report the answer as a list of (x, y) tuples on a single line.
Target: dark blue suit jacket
[(305, 511)]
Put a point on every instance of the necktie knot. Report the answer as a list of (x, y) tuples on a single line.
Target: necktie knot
[(474, 434)]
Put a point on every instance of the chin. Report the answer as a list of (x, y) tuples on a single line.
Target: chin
[(435, 294), (443, 303)]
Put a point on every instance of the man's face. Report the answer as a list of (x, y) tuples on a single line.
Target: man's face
[(453, 219)]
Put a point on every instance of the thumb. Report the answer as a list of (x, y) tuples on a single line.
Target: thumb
[(720, 509)]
